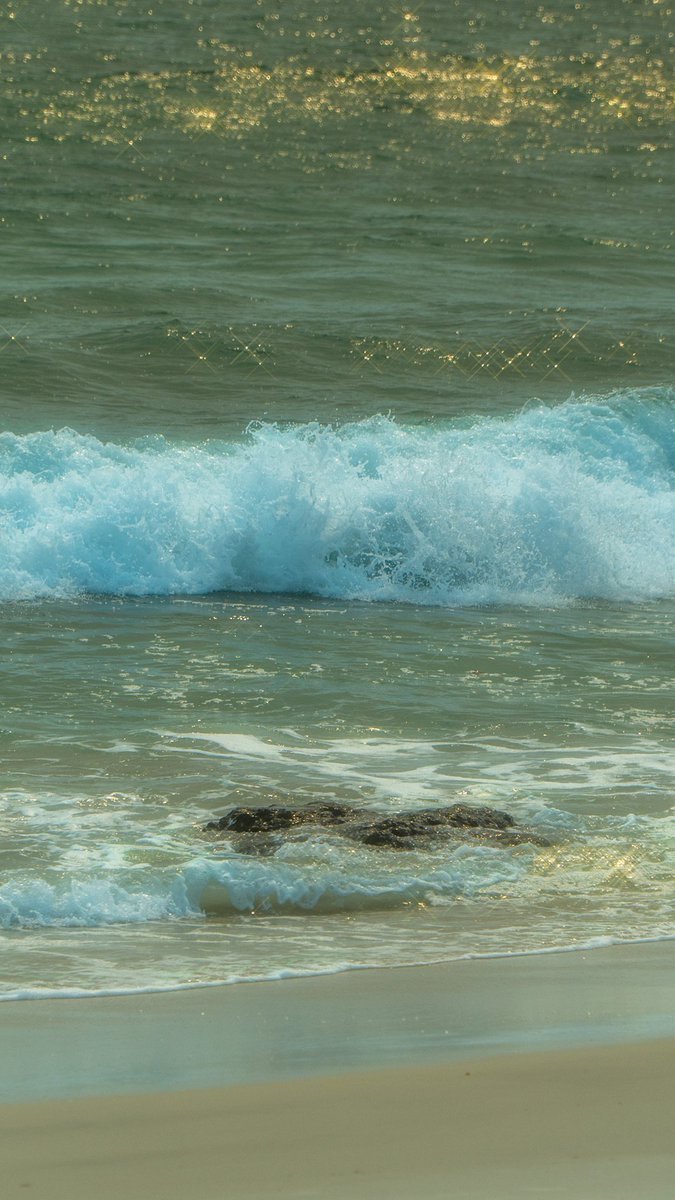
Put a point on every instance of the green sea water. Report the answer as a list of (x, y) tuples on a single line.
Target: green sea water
[(336, 385)]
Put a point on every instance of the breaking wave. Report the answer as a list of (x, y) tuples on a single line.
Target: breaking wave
[(243, 885), (547, 506)]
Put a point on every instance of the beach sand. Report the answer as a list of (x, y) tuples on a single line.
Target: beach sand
[(578, 1123), (591, 1116)]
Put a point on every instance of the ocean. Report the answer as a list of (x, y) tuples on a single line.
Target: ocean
[(336, 464)]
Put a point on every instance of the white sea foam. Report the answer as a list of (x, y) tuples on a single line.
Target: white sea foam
[(546, 506), (395, 771), (337, 968)]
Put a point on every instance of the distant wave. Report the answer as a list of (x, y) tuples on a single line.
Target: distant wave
[(543, 507)]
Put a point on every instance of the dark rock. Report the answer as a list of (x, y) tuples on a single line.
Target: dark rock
[(399, 833), (405, 831), (278, 817)]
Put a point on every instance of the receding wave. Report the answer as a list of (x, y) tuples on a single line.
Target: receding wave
[(551, 504)]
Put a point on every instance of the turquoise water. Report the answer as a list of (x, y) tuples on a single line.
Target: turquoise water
[(338, 411)]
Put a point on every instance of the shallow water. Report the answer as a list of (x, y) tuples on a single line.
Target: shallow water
[(132, 722), (337, 369)]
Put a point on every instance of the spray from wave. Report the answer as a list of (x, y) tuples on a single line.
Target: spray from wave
[(546, 506)]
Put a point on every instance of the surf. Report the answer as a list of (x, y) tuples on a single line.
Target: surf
[(547, 506)]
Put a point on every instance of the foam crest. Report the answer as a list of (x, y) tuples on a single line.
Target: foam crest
[(546, 506), (90, 903)]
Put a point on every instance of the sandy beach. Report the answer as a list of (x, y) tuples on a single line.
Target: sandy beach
[(588, 1115), (591, 1123)]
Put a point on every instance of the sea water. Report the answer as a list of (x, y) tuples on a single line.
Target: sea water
[(336, 363)]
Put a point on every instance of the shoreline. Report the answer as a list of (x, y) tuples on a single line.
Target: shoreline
[(50, 994), (271, 1031)]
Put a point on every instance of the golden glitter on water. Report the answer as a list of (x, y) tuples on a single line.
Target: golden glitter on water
[(582, 95)]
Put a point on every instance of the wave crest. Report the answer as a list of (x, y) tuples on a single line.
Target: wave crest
[(549, 505)]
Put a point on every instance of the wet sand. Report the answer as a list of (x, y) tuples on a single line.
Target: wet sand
[(409, 1111), (577, 1123)]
